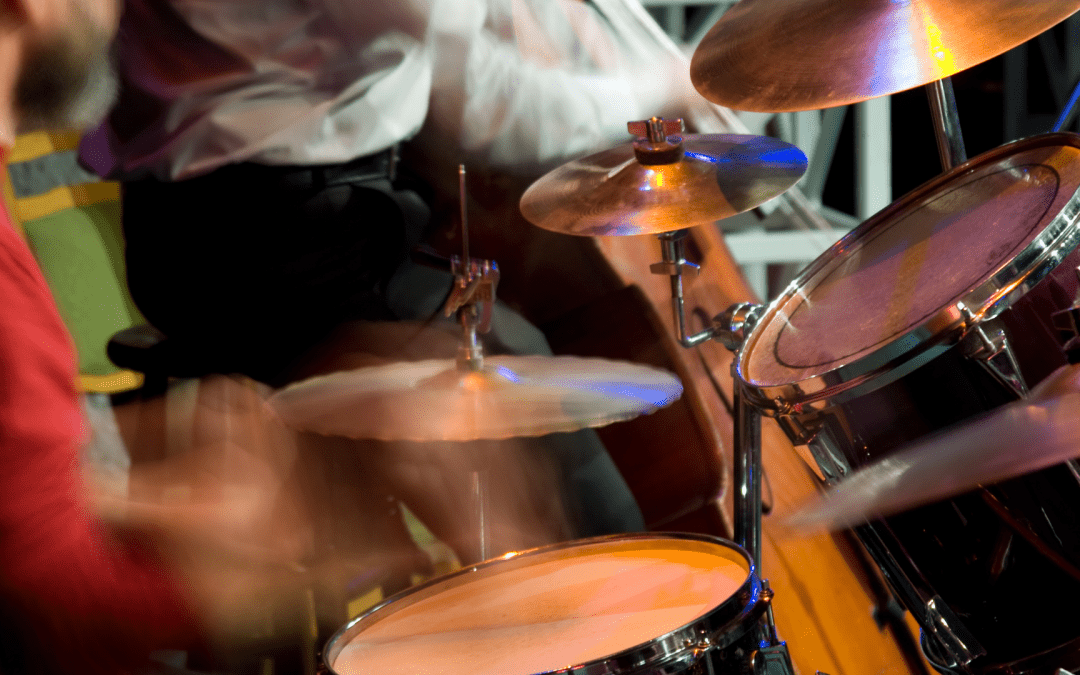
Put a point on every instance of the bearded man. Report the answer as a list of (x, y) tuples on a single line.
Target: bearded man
[(75, 594)]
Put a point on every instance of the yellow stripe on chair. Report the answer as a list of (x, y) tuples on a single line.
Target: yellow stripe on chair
[(65, 197), (113, 383), (8, 196), (39, 143)]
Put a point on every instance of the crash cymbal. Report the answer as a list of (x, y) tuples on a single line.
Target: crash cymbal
[(511, 396), (1015, 440), (786, 55), (613, 193)]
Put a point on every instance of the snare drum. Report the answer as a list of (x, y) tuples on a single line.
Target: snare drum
[(936, 309), (623, 604)]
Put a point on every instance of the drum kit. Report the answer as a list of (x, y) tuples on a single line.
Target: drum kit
[(924, 361)]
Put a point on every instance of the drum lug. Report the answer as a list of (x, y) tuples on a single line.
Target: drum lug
[(829, 459), (773, 660), (699, 647), (1067, 323), (988, 346), (950, 633)]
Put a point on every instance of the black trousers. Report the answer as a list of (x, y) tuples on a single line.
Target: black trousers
[(253, 264)]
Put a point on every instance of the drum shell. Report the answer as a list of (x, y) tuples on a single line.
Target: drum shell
[(721, 641), (948, 548)]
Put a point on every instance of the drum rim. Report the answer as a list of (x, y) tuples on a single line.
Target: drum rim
[(716, 629), (943, 328)]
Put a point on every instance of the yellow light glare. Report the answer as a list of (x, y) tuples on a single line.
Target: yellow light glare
[(941, 56)]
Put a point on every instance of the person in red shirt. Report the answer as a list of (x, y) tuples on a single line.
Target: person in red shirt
[(77, 595)]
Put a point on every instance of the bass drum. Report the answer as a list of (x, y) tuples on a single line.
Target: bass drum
[(935, 310), (626, 604)]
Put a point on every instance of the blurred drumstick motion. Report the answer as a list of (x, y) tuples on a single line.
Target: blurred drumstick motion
[(1020, 438)]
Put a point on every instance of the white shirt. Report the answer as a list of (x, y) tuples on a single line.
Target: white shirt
[(213, 82)]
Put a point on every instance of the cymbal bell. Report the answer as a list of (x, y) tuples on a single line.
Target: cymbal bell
[(511, 396), (613, 193), (1018, 439), (788, 55)]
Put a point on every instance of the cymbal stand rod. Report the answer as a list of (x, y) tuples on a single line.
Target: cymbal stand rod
[(950, 140), (474, 286), (673, 251), (464, 216), (479, 496), (471, 357)]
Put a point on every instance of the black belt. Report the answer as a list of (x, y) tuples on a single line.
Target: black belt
[(379, 166)]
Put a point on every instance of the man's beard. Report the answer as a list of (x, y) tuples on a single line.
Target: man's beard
[(66, 81)]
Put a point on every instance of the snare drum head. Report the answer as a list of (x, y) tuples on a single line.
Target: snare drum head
[(545, 610), (971, 235)]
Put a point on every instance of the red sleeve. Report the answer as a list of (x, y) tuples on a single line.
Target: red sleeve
[(94, 602)]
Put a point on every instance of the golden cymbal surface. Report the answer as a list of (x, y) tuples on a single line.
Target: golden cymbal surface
[(511, 396), (788, 55), (612, 193)]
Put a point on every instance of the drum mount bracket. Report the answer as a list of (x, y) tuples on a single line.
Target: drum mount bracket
[(987, 344), (729, 328)]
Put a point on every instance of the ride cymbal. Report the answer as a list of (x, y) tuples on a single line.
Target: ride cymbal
[(1017, 439), (511, 396), (787, 55), (613, 193)]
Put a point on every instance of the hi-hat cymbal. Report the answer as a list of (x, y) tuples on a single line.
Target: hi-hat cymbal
[(612, 193), (1015, 440), (512, 396), (786, 55)]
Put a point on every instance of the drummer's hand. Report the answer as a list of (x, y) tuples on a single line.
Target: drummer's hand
[(224, 512)]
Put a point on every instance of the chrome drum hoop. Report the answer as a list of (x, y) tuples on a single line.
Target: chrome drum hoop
[(733, 623)]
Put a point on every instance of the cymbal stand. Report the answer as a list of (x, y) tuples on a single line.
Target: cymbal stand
[(731, 328), (950, 140), (472, 298)]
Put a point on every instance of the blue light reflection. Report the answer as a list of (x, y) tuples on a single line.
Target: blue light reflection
[(505, 372), (658, 396)]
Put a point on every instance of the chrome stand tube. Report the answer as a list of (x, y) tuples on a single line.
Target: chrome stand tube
[(479, 494), (747, 476), (673, 256), (470, 356), (950, 140)]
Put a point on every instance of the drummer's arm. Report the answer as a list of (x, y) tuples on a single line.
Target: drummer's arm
[(514, 112), (92, 602)]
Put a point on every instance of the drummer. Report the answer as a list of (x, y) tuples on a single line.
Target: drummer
[(264, 204), (257, 146)]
